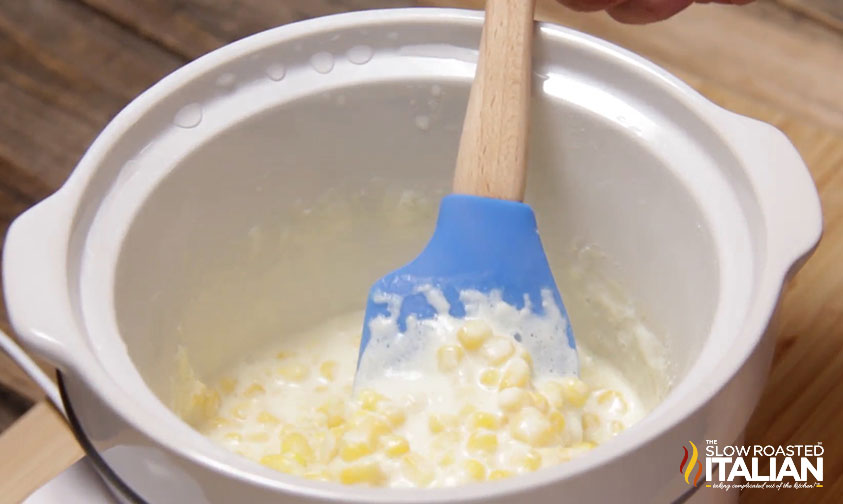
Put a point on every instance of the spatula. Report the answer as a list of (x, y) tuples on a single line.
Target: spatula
[(486, 239)]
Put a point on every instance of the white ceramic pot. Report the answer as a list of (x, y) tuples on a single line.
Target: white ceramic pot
[(705, 213)]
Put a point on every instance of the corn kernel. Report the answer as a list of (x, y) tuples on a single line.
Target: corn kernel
[(373, 426), (228, 384), (557, 422), (446, 460), (294, 372), (497, 350), (296, 447), (449, 357), (539, 402), (552, 391), (575, 391), (532, 460), (362, 439), (473, 334), (512, 399), (254, 390), (590, 421), (266, 417), (468, 410), (284, 355), (580, 448), (351, 451), (369, 474), (527, 358), (233, 436), (475, 470), (328, 370), (334, 411), (490, 377), (369, 399), (339, 430), (205, 404), (613, 399), (417, 470), (617, 427), (516, 374), (484, 442), (531, 427), (394, 416), (499, 474), (395, 446), (484, 420), (278, 462), (439, 422)]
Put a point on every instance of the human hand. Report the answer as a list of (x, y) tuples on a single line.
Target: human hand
[(640, 11)]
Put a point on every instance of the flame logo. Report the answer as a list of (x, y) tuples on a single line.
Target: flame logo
[(687, 470)]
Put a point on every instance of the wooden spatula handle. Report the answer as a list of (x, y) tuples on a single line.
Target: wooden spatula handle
[(492, 158)]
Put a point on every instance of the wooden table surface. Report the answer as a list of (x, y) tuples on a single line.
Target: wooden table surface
[(69, 65)]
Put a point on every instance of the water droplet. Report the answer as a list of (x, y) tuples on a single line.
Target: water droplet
[(436, 90), (359, 54), (226, 79), (276, 71), (322, 62), (433, 103), (423, 122), (189, 116), (334, 38)]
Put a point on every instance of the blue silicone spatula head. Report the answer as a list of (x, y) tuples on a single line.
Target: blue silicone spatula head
[(486, 242), (480, 245)]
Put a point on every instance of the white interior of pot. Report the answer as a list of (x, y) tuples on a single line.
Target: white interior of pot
[(239, 245)]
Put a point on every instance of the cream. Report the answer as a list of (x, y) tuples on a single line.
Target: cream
[(465, 409)]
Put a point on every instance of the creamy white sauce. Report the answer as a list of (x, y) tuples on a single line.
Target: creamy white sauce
[(470, 412)]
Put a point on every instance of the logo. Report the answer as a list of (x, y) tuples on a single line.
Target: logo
[(687, 471), (753, 466)]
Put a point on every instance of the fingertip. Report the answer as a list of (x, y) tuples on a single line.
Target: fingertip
[(646, 11), (589, 5)]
